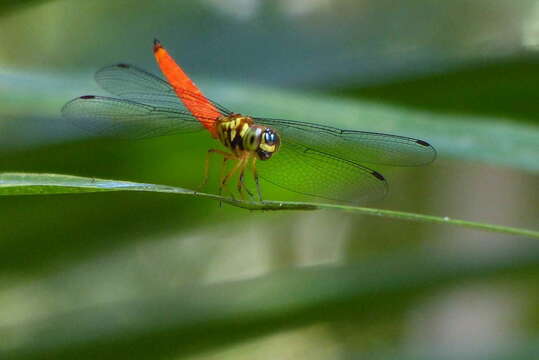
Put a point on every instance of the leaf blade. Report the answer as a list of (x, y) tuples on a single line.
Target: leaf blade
[(40, 184)]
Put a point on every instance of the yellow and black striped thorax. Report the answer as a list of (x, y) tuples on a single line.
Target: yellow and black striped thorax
[(240, 134)]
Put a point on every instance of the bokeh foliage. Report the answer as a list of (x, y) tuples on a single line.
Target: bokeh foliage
[(146, 275)]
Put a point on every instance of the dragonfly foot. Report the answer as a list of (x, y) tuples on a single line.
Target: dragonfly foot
[(250, 193), (242, 189), (201, 187)]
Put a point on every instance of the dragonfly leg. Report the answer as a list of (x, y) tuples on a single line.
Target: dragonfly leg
[(241, 179), (223, 169), (221, 175), (244, 187), (240, 184), (226, 156), (224, 180), (255, 176)]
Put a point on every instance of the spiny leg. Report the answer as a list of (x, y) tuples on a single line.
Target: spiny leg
[(226, 156), (241, 184), (255, 175), (244, 187), (240, 178), (223, 169), (221, 175), (224, 181)]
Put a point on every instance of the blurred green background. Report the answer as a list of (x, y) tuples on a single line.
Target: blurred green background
[(153, 276)]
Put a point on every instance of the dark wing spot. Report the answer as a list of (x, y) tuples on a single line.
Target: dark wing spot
[(377, 175), (125, 66), (87, 97), (421, 142)]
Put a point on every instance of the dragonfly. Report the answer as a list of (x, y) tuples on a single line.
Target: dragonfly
[(303, 157)]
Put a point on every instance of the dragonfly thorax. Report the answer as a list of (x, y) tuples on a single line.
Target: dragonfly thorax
[(241, 135)]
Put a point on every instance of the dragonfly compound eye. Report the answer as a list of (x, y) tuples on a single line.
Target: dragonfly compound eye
[(270, 137), (269, 144)]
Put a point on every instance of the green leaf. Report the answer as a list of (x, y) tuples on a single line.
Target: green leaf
[(478, 90), (39, 184), (9, 6), (200, 318), (507, 350)]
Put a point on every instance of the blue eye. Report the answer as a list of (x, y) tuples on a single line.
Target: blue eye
[(269, 137)]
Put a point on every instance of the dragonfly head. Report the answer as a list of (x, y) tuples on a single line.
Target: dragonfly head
[(269, 144)]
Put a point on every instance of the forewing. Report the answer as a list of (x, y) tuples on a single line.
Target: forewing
[(133, 83), (300, 169), (127, 119), (356, 146)]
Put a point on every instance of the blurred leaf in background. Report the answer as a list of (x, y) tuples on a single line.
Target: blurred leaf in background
[(154, 276)]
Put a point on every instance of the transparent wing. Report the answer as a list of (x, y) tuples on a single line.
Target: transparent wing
[(356, 146), (300, 169), (132, 83), (127, 119)]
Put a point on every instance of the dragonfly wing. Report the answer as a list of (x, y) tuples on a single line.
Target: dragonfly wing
[(127, 119), (133, 83), (300, 169), (356, 146)]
